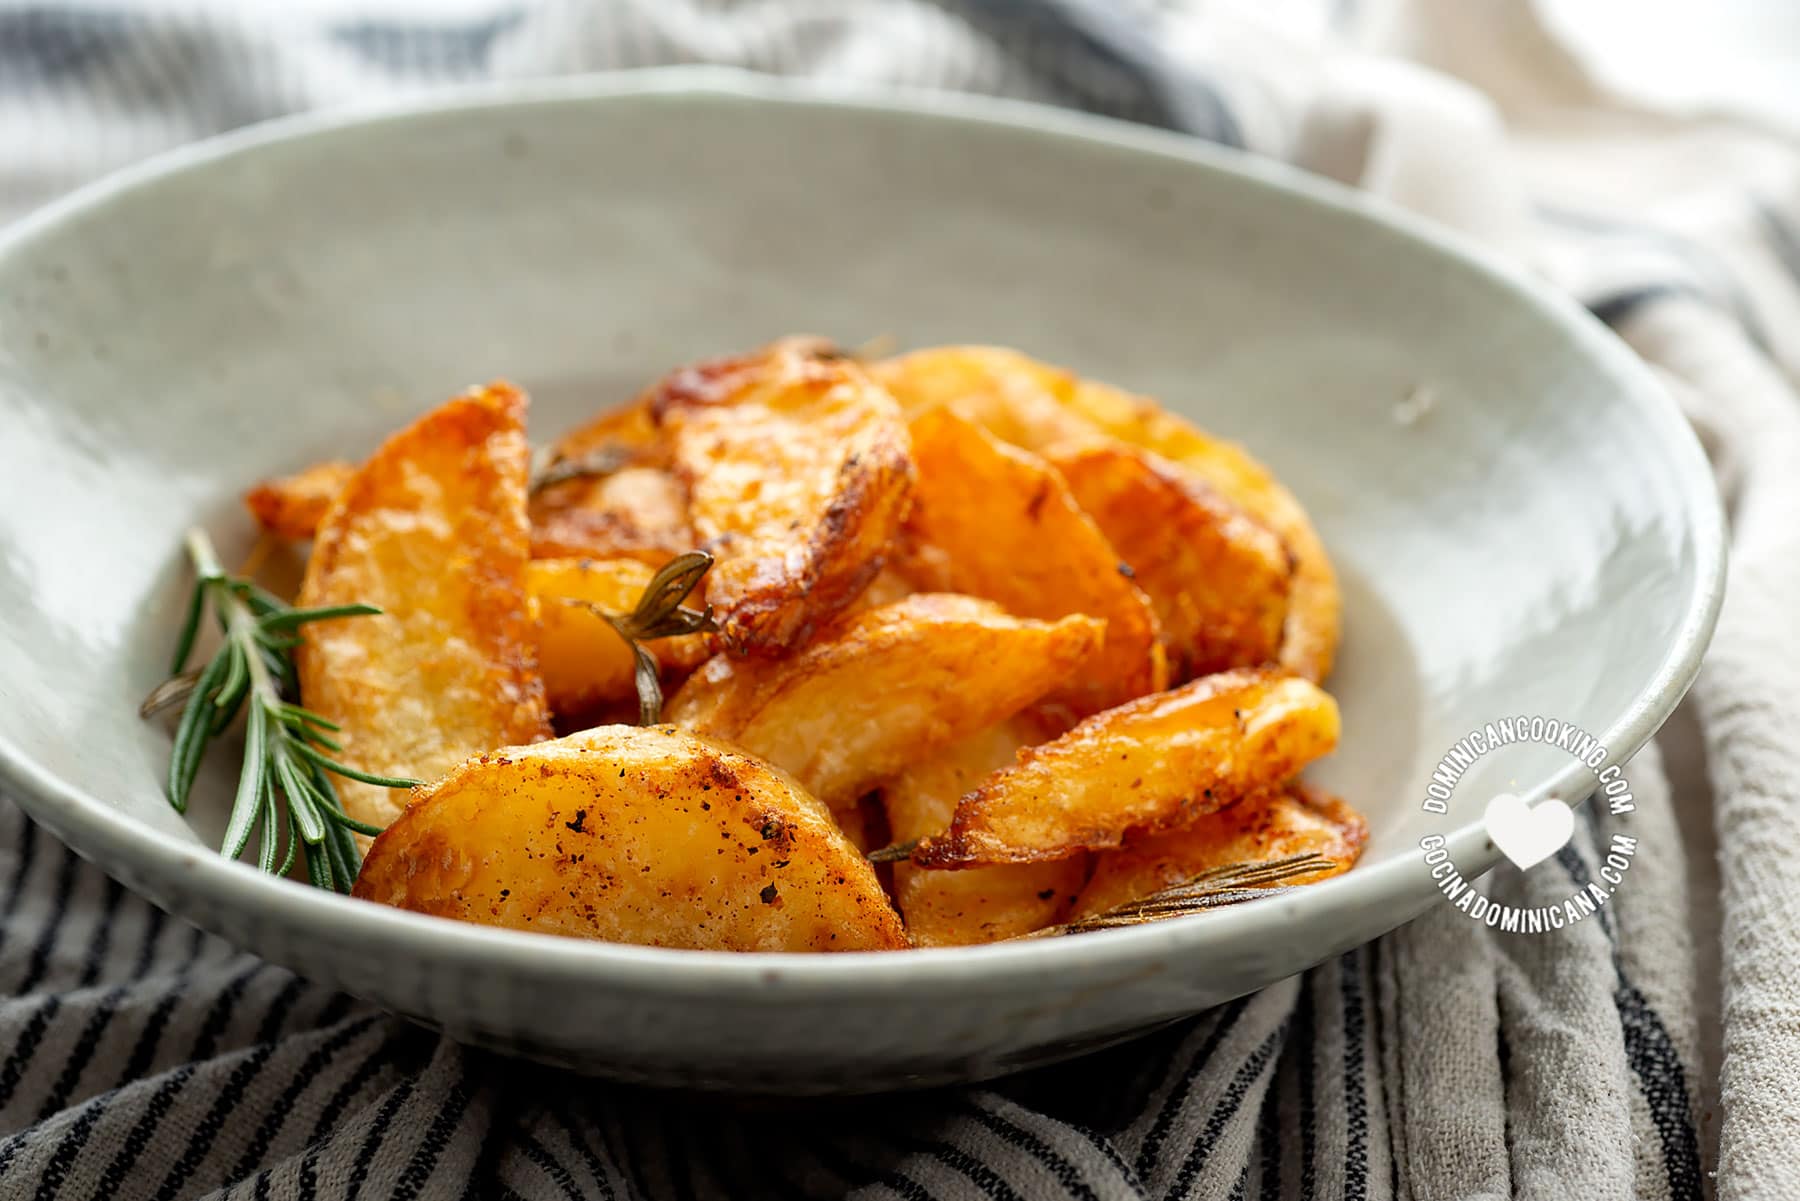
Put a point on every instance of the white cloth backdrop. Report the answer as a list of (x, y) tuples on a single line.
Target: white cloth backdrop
[(1654, 1053)]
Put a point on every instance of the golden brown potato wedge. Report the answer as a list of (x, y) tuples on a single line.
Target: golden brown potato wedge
[(1294, 820), (1310, 631), (1034, 406), (637, 512), (623, 503), (1011, 396), (982, 904), (633, 834), (882, 688), (584, 661), (798, 473), (992, 520), (432, 530), (292, 507), (1155, 763), (1217, 579)]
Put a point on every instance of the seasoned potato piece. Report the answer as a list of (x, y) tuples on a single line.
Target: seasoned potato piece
[(1158, 762), (1310, 631), (992, 520), (982, 904), (635, 512), (798, 474), (584, 661), (1034, 406), (628, 834), (630, 507), (1217, 579), (882, 688), (1011, 396), (1294, 820), (292, 507), (432, 529)]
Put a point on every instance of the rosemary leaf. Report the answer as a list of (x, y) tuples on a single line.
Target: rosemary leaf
[(289, 619), (351, 773), (1215, 888), (190, 629), (894, 852), (605, 461)]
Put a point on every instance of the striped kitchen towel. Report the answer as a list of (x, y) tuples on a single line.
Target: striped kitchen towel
[(1654, 1052)]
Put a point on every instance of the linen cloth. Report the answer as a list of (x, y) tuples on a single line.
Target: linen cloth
[(1654, 1052)]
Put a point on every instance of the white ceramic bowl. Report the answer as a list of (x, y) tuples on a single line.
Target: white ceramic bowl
[(1544, 539)]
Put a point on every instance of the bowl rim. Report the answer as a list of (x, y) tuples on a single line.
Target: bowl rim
[(95, 829)]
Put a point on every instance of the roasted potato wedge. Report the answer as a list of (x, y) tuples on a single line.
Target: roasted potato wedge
[(1314, 612), (1293, 820), (1217, 579), (982, 904), (623, 504), (992, 520), (798, 473), (882, 688), (585, 663), (631, 834), (635, 512), (432, 530), (292, 507), (1034, 406), (1013, 397), (1156, 763)]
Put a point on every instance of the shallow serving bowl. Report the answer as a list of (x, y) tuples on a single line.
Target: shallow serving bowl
[(1541, 538)]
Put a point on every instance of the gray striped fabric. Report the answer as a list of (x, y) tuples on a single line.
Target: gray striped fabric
[(140, 1058)]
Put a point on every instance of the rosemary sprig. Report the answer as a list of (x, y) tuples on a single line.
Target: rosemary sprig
[(287, 749), (1215, 888), (659, 614)]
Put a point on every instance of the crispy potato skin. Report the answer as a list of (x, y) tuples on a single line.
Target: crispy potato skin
[(292, 507), (1034, 406), (1217, 579), (432, 530), (583, 660), (628, 834), (992, 520), (798, 473), (1293, 820), (1156, 763), (982, 904), (883, 687)]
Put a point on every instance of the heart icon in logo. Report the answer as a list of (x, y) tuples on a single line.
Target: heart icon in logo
[(1528, 834)]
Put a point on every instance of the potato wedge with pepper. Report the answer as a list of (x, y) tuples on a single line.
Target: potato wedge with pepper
[(1294, 820), (798, 471), (633, 834), (1156, 763), (432, 530), (1217, 579), (584, 661), (992, 520), (881, 688), (292, 506), (1034, 405), (981, 904)]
